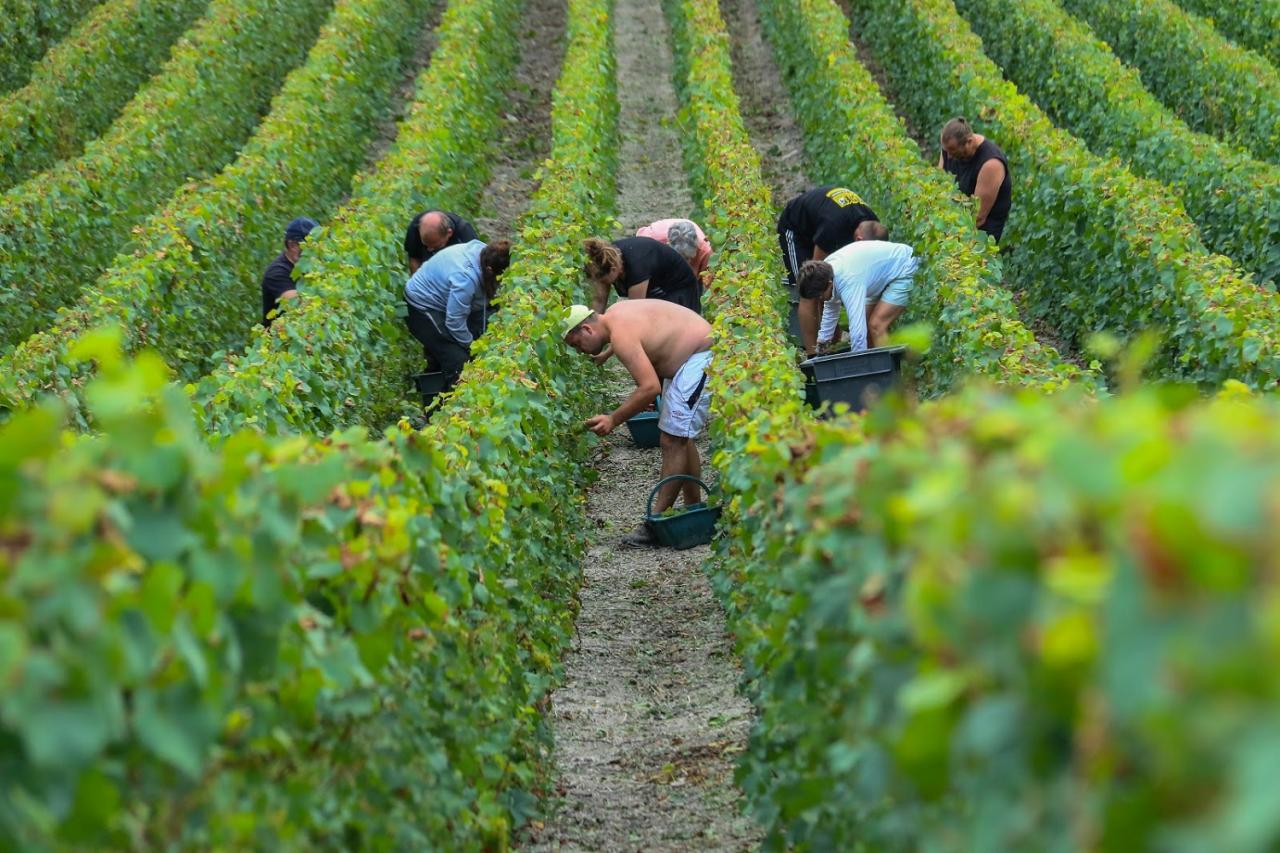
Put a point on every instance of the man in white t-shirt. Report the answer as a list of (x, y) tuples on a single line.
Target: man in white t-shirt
[(872, 277)]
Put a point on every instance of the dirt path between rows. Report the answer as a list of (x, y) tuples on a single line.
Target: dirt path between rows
[(651, 179), (766, 108), (526, 136), (648, 723)]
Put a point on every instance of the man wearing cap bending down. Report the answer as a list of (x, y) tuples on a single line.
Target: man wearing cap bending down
[(666, 347), (277, 281)]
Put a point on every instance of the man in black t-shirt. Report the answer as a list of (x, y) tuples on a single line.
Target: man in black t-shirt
[(980, 169), (813, 225), (817, 222), (431, 231), (277, 281)]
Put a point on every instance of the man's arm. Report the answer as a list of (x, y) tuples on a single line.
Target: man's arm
[(809, 312), (830, 319), (854, 296), (990, 177), (648, 386), (632, 355), (278, 284)]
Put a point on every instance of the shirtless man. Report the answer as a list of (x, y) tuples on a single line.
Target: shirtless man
[(666, 347)]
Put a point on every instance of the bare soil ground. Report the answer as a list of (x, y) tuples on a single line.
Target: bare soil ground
[(526, 137), (648, 723), (651, 181), (766, 108)]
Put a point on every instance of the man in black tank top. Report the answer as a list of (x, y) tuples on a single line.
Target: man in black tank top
[(980, 168)]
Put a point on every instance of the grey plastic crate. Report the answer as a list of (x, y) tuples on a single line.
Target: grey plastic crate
[(856, 378)]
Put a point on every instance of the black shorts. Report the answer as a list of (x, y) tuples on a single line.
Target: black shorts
[(794, 254)]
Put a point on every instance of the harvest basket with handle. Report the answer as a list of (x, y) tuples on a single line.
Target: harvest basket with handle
[(695, 525)]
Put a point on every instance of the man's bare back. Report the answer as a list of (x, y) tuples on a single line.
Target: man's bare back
[(666, 333)]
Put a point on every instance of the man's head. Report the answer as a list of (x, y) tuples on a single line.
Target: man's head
[(870, 229), (435, 229), (683, 237), (583, 330), (958, 139), (816, 280), (295, 233), (604, 261)]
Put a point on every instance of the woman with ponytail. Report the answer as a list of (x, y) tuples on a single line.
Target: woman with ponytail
[(447, 298), (640, 268)]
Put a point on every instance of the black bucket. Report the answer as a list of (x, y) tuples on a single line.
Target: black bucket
[(429, 385)]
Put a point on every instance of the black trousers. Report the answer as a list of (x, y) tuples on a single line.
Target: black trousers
[(443, 353), (794, 253)]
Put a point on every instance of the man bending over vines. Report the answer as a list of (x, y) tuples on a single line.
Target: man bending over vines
[(871, 276), (666, 347)]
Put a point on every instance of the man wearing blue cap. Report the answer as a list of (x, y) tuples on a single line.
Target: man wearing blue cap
[(277, 281)]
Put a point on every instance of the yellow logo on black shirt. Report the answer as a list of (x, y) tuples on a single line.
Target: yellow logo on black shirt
[(844, 197)]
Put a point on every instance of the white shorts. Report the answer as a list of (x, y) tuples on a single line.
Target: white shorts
[(686, 403)]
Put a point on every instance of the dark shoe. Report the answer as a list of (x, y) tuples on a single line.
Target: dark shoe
[(641, 537)]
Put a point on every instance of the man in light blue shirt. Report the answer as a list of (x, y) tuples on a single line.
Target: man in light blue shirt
[(447, 297), (872, 277)]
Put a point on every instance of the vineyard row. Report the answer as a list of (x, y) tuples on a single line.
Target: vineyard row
[(293, 641), (81, 85), (62, 228)]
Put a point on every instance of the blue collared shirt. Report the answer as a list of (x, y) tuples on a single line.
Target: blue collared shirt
[(449, 283)]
